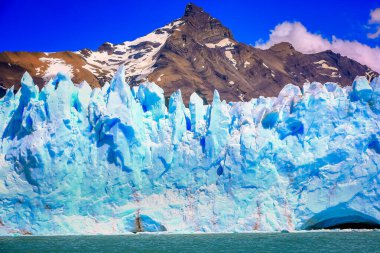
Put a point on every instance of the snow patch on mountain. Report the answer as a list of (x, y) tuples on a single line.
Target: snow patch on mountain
[(223, 43), (324, 65), (55, 65), (230, 57), (138, 56)]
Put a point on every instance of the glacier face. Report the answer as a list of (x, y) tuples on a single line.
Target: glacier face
[(79, 161)]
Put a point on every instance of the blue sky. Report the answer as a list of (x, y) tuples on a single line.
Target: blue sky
[(72, 25)]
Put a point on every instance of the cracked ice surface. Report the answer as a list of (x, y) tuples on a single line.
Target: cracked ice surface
[(80, 161)]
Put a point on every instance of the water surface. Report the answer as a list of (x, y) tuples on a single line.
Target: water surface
[(368, 241)]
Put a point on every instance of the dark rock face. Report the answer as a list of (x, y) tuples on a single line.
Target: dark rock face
[(199, 54)]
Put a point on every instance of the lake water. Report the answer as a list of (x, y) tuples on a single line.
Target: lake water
[(363, 241)]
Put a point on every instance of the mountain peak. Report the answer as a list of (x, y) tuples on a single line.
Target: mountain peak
[(283, 48), (192, 10), (203, 26), (196, 14)]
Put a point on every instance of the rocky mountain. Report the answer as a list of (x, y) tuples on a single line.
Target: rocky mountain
[(193, 53)]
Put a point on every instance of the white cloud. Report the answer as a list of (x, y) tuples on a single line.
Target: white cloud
[(298, 36), (307, 42), (375, 16), (375, 20)]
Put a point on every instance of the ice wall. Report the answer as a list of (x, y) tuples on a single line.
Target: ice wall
[(79, 161)]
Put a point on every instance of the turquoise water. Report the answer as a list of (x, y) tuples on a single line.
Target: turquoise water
[(256, 242)]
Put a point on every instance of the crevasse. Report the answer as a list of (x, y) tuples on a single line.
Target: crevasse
[(76, 160)]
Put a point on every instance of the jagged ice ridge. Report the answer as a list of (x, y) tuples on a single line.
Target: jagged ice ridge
[(114, 160)]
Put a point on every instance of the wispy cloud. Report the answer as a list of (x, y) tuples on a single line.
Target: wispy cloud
[(375, 21), (308, 42)]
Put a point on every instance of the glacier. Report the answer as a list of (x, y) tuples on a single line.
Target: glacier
[(116, 159)]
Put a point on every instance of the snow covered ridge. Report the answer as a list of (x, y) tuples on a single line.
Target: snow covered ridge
[(139, 56), (116, 160)]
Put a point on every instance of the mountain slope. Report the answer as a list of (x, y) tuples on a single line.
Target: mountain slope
[(193, 53)]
